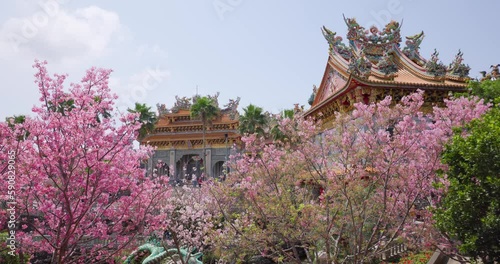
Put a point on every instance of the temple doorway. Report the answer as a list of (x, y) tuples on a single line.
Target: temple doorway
[(220, 170), (188, 165)]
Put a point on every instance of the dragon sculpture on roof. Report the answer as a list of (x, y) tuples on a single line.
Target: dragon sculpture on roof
[(373, 41), (412, 48), (387, 65), (360, 66), (434, 66), (335, 43), (458, 68)]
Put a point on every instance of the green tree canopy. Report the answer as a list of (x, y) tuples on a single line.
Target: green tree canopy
[(17, 119), (470, 211), (489, 90), (146, 117), (253, 120), (205, 109)]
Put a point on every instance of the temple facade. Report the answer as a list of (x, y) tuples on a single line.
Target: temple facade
[(178, 139), (373, 65)]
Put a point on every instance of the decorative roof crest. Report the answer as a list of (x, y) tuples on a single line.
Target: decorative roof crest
[(373, 41), (434, 66), (386, 64), (412, 48), (493, 75), (458, 68), (313, 95), (360, 66), (162, 109), (214, 98), (181, 103), (336, 43), (231, 108)]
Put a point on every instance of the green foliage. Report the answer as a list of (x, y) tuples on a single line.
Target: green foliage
[(11, 121), (5, 257), (146, 117), (205, 109), (209, 257), (276, 132), (417, 258), (470, 211), (62, 107), (489, 90), (14, 120), (288, 113), (253, 120)]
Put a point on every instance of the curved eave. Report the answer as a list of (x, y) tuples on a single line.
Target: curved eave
[(410, 76), (403, 62), (410, 85), (421, 72), (355, 81)]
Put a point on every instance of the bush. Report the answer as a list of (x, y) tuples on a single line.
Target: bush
[(417, 258)]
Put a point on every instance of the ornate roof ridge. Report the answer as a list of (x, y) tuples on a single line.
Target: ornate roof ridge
[(372, 52), (185, 103)]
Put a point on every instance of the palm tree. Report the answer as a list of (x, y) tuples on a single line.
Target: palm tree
[(146, 117), (253, 120), (206, 110)]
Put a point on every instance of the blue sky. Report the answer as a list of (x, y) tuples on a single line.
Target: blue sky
[(270, 53)]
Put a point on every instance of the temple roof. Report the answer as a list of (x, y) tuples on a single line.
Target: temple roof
[(375, 58), (176, 128)]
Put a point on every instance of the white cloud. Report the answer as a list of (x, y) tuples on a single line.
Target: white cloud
[(59, 35), (71, 40)]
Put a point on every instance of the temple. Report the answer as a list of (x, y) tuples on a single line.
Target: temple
[(178, 139), (374, 65)]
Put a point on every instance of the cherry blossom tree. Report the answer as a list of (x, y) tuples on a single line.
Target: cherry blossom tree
[(344, 195), (81, 194), (188, 223), (6, 136)]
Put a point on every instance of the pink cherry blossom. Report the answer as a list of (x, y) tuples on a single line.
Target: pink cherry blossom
[(78, 176)]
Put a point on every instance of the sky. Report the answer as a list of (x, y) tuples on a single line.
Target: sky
[(268, 52)]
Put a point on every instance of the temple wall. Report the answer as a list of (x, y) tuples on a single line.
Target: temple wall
[(173, 157)]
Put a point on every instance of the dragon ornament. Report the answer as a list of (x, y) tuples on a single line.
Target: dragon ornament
[(360, 66), (181, 103), (155, 254), (412, 48), (387, 65), (231, 108), (336, 44), (313, 95), (434, 66), (162, 109), (458, 68)]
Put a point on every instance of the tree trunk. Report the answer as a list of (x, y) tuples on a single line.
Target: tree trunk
[(204, 150)]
